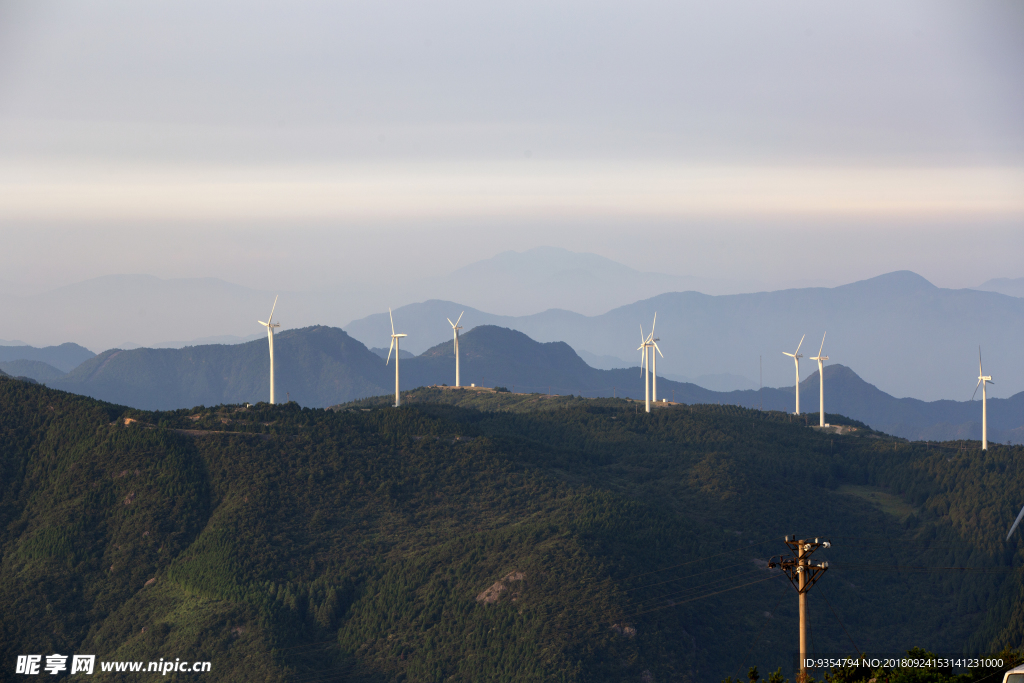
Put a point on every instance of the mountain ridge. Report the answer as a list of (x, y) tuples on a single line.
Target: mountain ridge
[(870, 324), (321, 366)]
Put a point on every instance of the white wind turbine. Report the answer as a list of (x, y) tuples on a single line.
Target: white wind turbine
[(394, 347), (270, 325), (821, 386), (645, 344), (653, 343), (455, 329), (796, 361), (983, 380)]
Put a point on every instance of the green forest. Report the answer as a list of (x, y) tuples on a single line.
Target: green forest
[(486, 535)]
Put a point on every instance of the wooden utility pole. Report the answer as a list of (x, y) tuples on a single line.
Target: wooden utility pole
[(803, 574)]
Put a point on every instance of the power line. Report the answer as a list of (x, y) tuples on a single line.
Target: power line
[(746, 657), (834, 613), (688, 576), (701, 597)]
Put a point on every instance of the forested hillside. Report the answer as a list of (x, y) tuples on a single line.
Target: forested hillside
[(569, 539)]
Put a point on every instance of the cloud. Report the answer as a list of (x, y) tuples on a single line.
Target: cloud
[(526, 188)]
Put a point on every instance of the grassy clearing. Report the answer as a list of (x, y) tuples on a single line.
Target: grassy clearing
[(883, 500)]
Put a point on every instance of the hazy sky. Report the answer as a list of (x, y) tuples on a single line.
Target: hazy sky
[(304, 144)]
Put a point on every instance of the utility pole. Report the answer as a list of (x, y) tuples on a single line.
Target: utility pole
[(803, 574)]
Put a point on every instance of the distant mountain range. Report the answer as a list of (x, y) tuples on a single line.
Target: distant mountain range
[(1004, 285), (538, 292), (63, 358), (314, 366), (902, 333), (36, 369), (129, 310), (322, 366)]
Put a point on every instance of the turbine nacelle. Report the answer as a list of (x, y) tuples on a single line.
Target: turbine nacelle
[(796, 354), (269, 324), (820, 357), (394, 339), (982, 377)]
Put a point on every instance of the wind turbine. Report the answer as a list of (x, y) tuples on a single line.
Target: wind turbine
[(394, 347), (270, 325), (653, 343), (796, 361), (645, 343), (983, 380), (821, 387), (455, 328)]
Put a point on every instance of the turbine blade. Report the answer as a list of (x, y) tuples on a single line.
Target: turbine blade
[(1020, 515), (642, 337), (392, 321), (799, 345), (979, 362), (263, 323), (657, 349), (822, 344), (976, 390), (460, 317), (390, 350), (654, 323), (786, 353), (450, 322), (272, 310)]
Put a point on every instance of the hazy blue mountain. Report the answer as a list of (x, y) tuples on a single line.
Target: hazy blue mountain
[(315, 366), (64, 358), (130, 310), (36, 369), (902, 333), (426, 323), (551, 277), (382, 351), (602, 362), (1004, 285), (215, 339), (113, 309), (721, 381)]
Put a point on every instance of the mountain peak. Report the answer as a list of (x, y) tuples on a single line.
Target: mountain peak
[(904, 280)]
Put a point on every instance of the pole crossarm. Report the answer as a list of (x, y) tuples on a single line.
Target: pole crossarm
[(799, 563)]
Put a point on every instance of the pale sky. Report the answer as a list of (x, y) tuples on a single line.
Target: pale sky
[(311, 143)]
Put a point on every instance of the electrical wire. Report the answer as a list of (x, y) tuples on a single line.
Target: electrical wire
[(836, 615), (757, 638), (681, 578), (701, 597)]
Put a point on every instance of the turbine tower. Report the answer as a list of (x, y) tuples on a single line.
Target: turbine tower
[(455, 328), (645, 343), (653, 343), (796, 361), (821, 386), (394, 347), (983, 380), (270, 325)]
